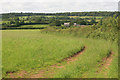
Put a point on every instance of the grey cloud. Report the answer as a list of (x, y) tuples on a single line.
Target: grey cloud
[(58, 6)]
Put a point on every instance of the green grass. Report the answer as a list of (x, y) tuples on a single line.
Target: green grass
[(0, 22), (25, 50), (32, 49), (88, 63), (112, 72), (35, 16), (25, 17), (5, 21), (96, 51), (35, 26)]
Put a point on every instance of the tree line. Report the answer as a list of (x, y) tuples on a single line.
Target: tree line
[(102, 13)]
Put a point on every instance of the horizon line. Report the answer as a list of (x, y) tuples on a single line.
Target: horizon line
[(57, 12)]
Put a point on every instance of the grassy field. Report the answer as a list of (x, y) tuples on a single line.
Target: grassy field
[(24, 50), (88, 64), (97, 17), (32, 49), (35, 26), (4, 22), (0, 22)]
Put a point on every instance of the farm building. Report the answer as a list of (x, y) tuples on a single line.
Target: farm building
[(75, 24), (67, 24)]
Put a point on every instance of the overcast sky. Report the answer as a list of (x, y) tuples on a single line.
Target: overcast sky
[(52, 6)]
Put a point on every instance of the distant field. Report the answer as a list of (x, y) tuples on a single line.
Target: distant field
[(23, 17), (33, 16), (63, 16), (86, 17), (0, 22), (5, 21), (35, 26), (32, 50)]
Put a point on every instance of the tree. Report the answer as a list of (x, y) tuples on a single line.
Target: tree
[(101, 22), (17, 23), (58, 23), (81, 22), (38, 20), (93, 21), (51, 20), (22, 22), (12, 22), (55, 23)]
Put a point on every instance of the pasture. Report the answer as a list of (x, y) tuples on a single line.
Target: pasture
[(0, 22), (32, 51), (97, 17), (34, 26)]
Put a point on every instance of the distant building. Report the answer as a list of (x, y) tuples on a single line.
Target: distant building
[(75, 24), (67, 24)]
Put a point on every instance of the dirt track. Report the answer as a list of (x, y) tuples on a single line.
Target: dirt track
[(106, 62), (41, 74), (72, 58)]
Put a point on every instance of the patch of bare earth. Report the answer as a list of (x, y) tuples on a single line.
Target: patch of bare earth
[(106, 63), (74, 57), (41, 73), (20, 74), (70, 59)]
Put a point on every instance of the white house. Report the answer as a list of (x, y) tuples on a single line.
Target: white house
[(67, 24), (75, 24)]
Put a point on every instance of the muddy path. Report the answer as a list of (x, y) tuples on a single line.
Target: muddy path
[(74, 56), (105, 63), (50, 69)]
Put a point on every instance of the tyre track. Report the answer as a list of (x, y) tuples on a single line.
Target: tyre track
[(41, 73), (105, 62)]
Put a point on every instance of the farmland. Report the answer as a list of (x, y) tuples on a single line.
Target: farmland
[(39, 49), (33, 49), (38, 26), (51, 20), (42, 46)]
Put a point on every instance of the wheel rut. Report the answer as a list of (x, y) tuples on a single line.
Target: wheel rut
[(41, 73), (105, 63)]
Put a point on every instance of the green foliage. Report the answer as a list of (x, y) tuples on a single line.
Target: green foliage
[(106, 29), (81, 22), (104, 13), (38, 20), (17, 23), (58, 23), (55, 23), (93, 21)]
